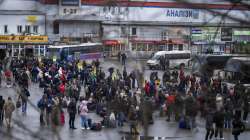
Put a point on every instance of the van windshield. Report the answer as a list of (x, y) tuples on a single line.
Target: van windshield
[(155, 57)]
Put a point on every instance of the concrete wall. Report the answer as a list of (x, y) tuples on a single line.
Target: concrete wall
[(14, 20), (18, 4), (77, 29)]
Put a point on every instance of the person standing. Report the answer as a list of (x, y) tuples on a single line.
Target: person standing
[(84, 114), (1, 110), (219, 122), (72, 113), (124, 57), (245, 109), (9, 108), (238, 127)]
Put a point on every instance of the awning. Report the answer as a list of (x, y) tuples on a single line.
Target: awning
[(112, 42)]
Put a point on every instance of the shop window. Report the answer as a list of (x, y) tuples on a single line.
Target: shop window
[(164, 35), (133, 31), (161, 48), (5, 29), (180, 47), (35, 29), (170, 47), (56, 28), (19, 29), (134, 47), (27, 28)]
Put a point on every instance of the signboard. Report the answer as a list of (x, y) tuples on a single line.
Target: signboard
[(226, 34), (23, 39), (70, 2), (32, 19), (183, 13), (241, 33)]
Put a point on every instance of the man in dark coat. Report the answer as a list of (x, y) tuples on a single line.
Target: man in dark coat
[(219, 122), (72, 113), (1, 109)]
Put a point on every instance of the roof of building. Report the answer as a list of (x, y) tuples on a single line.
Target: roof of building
[(20, 12)]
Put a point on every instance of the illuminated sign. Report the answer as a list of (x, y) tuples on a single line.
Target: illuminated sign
[(23, 39)]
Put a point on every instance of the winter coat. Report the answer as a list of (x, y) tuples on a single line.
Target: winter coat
[(219, 119), (72, 108), (9, 107), (209, 121), (83, 108)]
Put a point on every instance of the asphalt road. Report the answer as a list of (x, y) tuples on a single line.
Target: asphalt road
[(27, 127)]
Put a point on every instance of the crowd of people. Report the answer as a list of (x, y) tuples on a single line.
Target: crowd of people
[(77, 88)]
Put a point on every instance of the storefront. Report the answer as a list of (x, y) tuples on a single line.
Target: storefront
[(113, 47), (23, 46), (207, 40), (241, 41), (162, 45)]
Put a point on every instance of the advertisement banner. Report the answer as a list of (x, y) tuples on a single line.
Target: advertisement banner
[(23, 39), (70, 2)]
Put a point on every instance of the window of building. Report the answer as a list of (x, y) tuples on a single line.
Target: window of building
[(56, 28), (5, 29), (124, 31), (19, 29), (35, 29), (180, 47), (27, 28), (164, 35), (133, 31), (64, 10), (170, 47)]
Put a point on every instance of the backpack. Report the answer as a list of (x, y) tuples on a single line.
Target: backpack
[(96, 127)]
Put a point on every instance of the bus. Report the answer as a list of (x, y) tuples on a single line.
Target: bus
[(175, 58), (84, 51)]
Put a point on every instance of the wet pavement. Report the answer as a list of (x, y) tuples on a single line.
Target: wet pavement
[(27, 127)]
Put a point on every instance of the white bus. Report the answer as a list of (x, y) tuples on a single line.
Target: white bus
[(175, 58)]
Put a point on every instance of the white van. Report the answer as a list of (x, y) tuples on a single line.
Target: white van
[(175, 59)]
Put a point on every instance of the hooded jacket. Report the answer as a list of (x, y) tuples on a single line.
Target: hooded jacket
[(83, 108)]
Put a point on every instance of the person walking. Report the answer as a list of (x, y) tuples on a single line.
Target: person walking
[(24, 98), (72, 113), (1, 110), (209, 125), (238, 127), (9, 108), (84, 113)]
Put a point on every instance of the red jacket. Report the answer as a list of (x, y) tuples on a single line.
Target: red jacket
[(62, 88)]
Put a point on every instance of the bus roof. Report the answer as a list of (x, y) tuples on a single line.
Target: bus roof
[(71, 46), (171, 52)]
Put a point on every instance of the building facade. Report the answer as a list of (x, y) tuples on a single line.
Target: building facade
[(22, 33), (141, 27)]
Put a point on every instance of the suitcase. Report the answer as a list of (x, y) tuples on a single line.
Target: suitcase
[(183, 124)]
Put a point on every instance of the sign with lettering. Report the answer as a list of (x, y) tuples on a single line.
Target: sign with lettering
[(23, 39), (184, 13), (226, 34), (70, 2)]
